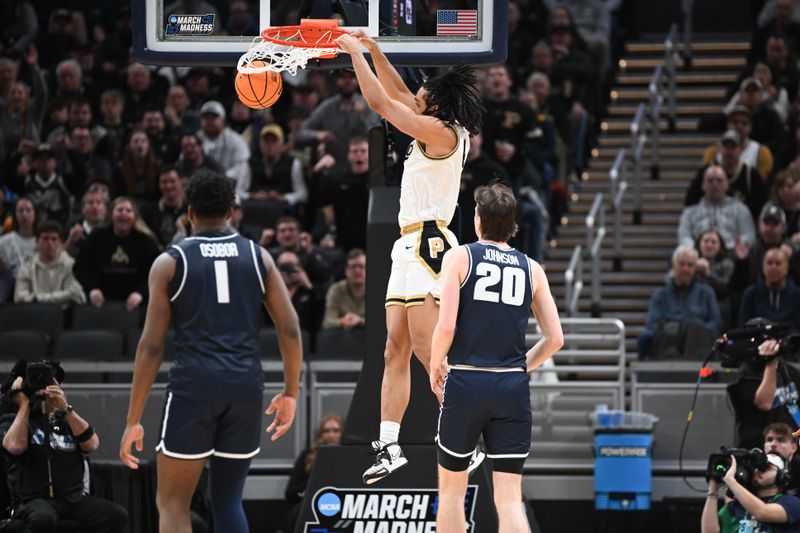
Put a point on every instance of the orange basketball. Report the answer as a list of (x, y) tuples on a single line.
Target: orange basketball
[(259, 90)]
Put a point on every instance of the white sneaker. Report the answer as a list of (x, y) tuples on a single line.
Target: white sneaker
[(389, 458), (475, 461)]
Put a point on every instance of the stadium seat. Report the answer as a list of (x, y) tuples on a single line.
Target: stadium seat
[(132, 341), (27, 344), (89, 345), (44, 317), (268, 344), (340, 344), (113, 315)]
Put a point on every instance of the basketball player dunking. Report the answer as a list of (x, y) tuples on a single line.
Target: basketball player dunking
[(440, 117), (488, 292), (211, 287)]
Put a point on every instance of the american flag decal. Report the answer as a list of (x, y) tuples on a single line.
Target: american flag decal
[(461, 22)]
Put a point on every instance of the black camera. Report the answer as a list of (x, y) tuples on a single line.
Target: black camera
[(747, 462), (38, 376), (740, 345)]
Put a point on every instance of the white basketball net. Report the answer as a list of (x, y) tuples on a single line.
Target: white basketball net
[(280, 57)]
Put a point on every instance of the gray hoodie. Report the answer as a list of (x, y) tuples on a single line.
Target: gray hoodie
[(49, 283)]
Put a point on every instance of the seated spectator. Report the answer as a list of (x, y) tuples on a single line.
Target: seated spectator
[(276, 175), (779, 58), (225, 146), (142, 90), (776, 17), (17, 246), (715, 267), (328, 433), (767, 126), (139, 178), (788, 154), (301, 291), (69, 81), (47, 276), (786, 195), (115, 261), (289, 237), (79, 114), (94, 213), (754, 154), (744, 182), (716, 210), (45, 186), (775, 297), (774, 95), (345, 197), (176, 111), (22, 115), (45, 440), (593, 22), (683, 318), (193, 159), (162, 217), (771, 234), (164, 143), (241, 20), (112, 107), (574, 75), (345, 301)]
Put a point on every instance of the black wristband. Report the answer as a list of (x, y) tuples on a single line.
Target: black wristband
[(86, 435)]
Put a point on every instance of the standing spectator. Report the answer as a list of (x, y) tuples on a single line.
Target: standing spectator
[(276, 175), (338, 118), (22, 115), (677, 309), (716, 210), (193, 159), (162, 217), (241, 20), (345, 301), (777, 20), (774, 95), (139, 177), (47, 276), (771, 234), (46, 186), (744, 182), (94, 214), (18, 26), (225, 146), (775, 297), (345, 198), (780, 59), (112, 107), (9, 70), (573, 73), (17, 246), (83, 162), (114, 262), (767, 126), (593, 22), (66, 30)]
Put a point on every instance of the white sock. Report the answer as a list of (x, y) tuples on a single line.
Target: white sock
[(390, 431)]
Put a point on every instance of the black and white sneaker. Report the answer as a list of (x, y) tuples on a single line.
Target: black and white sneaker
[(389, 457), (475, 461)]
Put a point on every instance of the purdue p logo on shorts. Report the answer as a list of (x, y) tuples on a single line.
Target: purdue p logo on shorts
[(431, 247)]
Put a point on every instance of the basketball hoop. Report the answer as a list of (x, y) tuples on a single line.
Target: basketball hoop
[(290, 47)]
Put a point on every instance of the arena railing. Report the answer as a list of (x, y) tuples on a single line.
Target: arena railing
[(618, 184), (573, 282), (687, 6), (670, 62), (595, 233)]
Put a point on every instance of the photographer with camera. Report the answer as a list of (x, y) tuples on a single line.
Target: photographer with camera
[(778, 438), (758, 504), (44, 443), (766, 391)]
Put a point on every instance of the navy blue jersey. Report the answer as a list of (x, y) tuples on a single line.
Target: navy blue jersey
[(216, 296), (494, 308)]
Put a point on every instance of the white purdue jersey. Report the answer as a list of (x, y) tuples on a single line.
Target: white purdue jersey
[(430, 186)]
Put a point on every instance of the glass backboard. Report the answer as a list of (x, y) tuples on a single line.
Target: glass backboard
[(411, 32)]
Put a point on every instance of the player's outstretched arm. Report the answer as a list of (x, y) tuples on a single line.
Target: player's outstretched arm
[(454, 270), (546, 313), (439, 139), (149, 354), (390, 80), (280, 309)]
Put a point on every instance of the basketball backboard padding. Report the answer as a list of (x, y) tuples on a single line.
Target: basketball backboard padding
[(157, 41)]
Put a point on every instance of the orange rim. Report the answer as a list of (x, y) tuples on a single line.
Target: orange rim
[(311, 33)]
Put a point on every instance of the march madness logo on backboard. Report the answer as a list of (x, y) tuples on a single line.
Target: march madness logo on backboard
[(190, 24), (381, 510)]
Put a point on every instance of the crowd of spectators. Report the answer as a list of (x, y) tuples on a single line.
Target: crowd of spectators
[(97, 149), (743, 204)]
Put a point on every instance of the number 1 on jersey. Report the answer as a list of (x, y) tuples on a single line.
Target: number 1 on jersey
[(221, 276)]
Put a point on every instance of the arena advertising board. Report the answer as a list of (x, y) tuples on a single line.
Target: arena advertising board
[(366, 510)]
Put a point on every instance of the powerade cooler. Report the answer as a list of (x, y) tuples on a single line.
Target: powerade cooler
[(623, 464)]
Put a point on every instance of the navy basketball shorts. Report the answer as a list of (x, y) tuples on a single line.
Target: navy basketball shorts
[(495, 404), (195, 429)]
